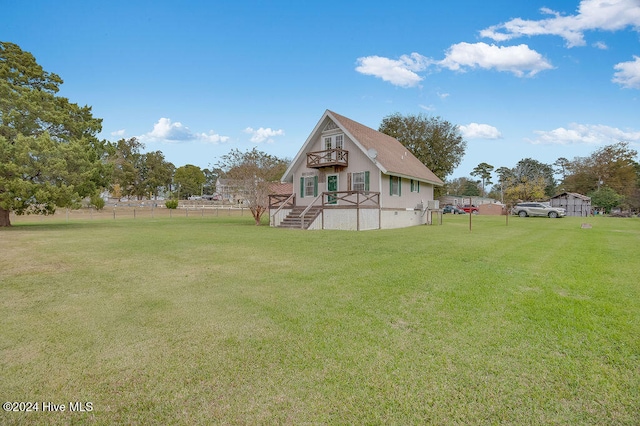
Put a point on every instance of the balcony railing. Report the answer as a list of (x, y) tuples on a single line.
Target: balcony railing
[(328, 158)]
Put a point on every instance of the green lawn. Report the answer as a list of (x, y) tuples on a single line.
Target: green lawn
[(215, 320)]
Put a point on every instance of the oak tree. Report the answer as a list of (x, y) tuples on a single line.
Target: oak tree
[(436, 142)]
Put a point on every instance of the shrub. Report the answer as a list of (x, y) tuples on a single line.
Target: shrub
[(171, 204), (97, 202)]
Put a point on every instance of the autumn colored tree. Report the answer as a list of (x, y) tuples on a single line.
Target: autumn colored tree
[(613, 166)]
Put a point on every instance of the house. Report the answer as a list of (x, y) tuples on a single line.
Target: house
[(575, 204), (230, 191), (460, 200), (349, 176)]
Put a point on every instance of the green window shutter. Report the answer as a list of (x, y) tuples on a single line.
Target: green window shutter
[(418, 185), (411, 185), (390, 185), (366, 180), (349, 183), (302, 187), (315, 186), (399, 186)]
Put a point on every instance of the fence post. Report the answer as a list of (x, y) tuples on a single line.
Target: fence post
[(114, 213)]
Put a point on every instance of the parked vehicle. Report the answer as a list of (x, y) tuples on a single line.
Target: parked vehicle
[(537, 209), (469, 208), (452, 209)]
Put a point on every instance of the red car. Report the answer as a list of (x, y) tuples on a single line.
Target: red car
[(469, 208)]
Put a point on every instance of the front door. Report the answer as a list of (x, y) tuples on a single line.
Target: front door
[(332, 186)]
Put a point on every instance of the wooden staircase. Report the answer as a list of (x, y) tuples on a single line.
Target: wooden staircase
[(294, 221)]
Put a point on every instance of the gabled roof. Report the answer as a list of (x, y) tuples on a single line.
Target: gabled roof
[(391, 156), (573, 194)]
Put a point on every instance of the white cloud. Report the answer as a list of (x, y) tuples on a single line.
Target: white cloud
[(399, 72), (118, 133), (480, 131), (164, 129), (427, 107), (607, 15), (628, 74), (520, 60), (600, 45), (589, 134), (167, 131), (516, 59), (212, 137), (262, 134)]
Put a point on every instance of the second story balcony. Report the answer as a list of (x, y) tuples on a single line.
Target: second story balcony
[(328, 158)]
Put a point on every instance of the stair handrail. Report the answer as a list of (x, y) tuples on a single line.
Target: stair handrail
[(273, 216), (305, 211)]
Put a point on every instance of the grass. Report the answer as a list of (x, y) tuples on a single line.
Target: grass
[(214, 320)]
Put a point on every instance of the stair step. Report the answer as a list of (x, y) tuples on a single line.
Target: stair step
[(293, 219)]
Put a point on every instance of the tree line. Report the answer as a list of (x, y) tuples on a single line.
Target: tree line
[(50, 155), (610, 176)]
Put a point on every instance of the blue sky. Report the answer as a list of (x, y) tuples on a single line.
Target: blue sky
[(195, 79)]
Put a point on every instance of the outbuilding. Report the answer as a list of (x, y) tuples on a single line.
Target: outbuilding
[(575, 204)]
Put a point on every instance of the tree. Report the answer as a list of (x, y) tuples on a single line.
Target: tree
[(189, 179), (613, 166), (483, 171), (156, 173), (561, 165), (251, 172), (505, 174), (126, 161), (137, 174), (606, 198), (49, 154), (462, 186), (434, 141), (529, 180)]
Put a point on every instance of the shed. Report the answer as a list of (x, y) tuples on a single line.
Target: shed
[(492, 209), (575, 204)]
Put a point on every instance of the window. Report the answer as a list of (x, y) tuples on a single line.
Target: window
[(308, 186), (415, 185), (360, 181), (334, 142), (327, 143), (395, 185), (338, 144)]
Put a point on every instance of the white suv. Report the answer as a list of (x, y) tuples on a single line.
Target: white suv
[(537, 209)]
